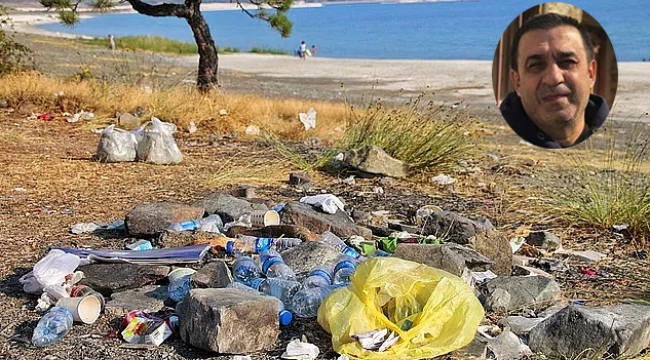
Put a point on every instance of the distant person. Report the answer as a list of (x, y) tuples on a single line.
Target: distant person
[(302, 50), (111, 42), (553, 72), (313, 50)]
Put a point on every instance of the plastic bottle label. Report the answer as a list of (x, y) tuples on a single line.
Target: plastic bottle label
[(322, 274), (344, 265), (351, 252), (189, 225), (270, 261), (263, 244)]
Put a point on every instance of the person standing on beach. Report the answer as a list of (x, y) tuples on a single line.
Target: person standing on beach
[(313, 50), (302, 51), (111, 42)]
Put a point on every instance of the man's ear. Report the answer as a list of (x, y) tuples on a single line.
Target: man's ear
[(593, 67), (515, 79)]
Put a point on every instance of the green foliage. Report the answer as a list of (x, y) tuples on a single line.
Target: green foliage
[(156, 44), (265, 50), (427, 138), (13, 56)]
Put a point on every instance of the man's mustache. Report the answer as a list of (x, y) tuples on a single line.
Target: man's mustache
[(561, 90)]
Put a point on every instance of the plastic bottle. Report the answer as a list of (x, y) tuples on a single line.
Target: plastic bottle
[(274, 267), (248, 244), (281, 244), (245, 269), (319, 276), (210, 223), (284, 316), (278, 288), (52, 327), (334, 241), (344, 269), (305, 303)]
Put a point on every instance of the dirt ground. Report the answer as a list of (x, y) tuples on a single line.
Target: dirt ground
[(49, 182)]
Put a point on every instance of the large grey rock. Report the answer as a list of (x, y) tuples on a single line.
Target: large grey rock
[(171, 239), (150, 298), (454, 226), (621, 330), (544, 239), (108, 278), (477, 349), (227, 206), (509, 293), (214, 274), (128, 121), (150, 219), (295, 213), (309, 254), (228, 321), (496, 247), (374, 160), (452, 258)]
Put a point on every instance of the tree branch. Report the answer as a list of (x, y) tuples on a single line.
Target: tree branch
[(244, 9), (161, 10)]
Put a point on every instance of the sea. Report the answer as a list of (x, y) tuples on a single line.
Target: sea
[(401, 30)]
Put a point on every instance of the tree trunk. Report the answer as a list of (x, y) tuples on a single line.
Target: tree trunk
[(208, 58)]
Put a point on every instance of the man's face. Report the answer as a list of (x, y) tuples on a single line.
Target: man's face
[(554, 77)]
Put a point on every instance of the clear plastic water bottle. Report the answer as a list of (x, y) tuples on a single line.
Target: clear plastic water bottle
[(319, 276), (245, 269), (281, 244), (305, 303), (344, 269), (284, 316), (334, 241), (52, 327), (212, 223), (278, 288), (274, 267), (248, 244)]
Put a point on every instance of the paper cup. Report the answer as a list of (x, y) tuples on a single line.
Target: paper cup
[(261, 218), (83, 309)]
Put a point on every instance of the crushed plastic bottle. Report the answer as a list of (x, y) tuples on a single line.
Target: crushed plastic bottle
[(278, 288), (52, 327), (180, 283), (273, 266), (344, 269), (334, 241), (248, 244), (305, 303), (212, 223), (319, 276), (245, 269), (284, 316)]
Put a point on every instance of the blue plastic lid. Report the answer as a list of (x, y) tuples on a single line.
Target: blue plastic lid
[(343, 265), (255, 283), (229, 247), (351, 252), (285, 317), (270, 261), (263, 244)]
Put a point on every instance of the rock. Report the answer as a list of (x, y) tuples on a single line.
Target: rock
[(443, 257), (520, 325), (214, 274), (586, 256), (621, 330), (508, 346), (275, 231), (309, 254), (374, 160), (244, 191), (107, 278), (477, 349), (295, 213), (229, 321), (544, 239), (26, 108), (299, 179), (509, 293), (150, 299), (455, 227), (128, 121), (227, 206), (473, 260), (4, 103), (496, 247), (140, 111), (171, 239), (150, 219)]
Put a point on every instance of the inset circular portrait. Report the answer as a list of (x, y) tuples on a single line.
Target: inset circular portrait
[(554, 75)]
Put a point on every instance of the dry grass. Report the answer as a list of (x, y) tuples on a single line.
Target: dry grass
[(179, 105)]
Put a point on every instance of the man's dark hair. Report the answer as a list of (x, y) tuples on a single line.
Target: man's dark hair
[(546, 22)]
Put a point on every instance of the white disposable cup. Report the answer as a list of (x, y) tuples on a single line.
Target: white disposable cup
[(261, 218), (84, 309), (177, 274)]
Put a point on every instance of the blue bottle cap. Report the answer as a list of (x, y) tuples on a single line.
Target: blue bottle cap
[(344, 265), (351, 252), (285, 317), (255, 283), (270, 261), (263, 244), (229, 247)]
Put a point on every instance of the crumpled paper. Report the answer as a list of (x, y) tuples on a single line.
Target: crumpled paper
[(377, 340), (326, 202), (298, 350), (308, 119)]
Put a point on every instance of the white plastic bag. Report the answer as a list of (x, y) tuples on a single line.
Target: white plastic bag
[(50, 270), (116, 145), (158, 145), (308, 119), (327, 202)]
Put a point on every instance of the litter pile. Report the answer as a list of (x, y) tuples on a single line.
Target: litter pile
[(397, 291)]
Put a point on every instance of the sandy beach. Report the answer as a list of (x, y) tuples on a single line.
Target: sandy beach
[(469, 81)]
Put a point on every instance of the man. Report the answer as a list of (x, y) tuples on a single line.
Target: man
[(553, 72), (302, 50)]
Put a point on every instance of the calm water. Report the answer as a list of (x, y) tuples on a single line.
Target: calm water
[(443, 30)]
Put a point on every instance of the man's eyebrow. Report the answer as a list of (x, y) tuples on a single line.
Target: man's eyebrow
[(565, 55), (535, 57)]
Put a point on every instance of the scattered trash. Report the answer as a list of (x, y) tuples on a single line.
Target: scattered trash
[(252, 130), (116, 145), (142, 328), (588, 272), (424, 212), (223, 112), (82, 115), (45, 117), (212, 223), (50, 270), (308, 119), (300, 351), (179, 283), (158, 145), (479, 277), (83, 228), (83, 309), (443, 179), (620, 227), (326, 202), (191, 128), (140, 245), (52, 327), (376, 340), (507, 346), (516, 243), (180, 255)]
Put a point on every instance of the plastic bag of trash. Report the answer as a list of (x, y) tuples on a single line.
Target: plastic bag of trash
[(116, 145), (50, 270), (431, 311), (158, 145)]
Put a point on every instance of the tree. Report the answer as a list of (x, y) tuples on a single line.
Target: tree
[(271, 11), (13, 56)]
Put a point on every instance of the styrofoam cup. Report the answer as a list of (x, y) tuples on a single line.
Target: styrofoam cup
[(84, 309), (260, 218)]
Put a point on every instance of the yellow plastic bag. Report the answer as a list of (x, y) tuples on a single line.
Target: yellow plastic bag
[(437, 310)]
